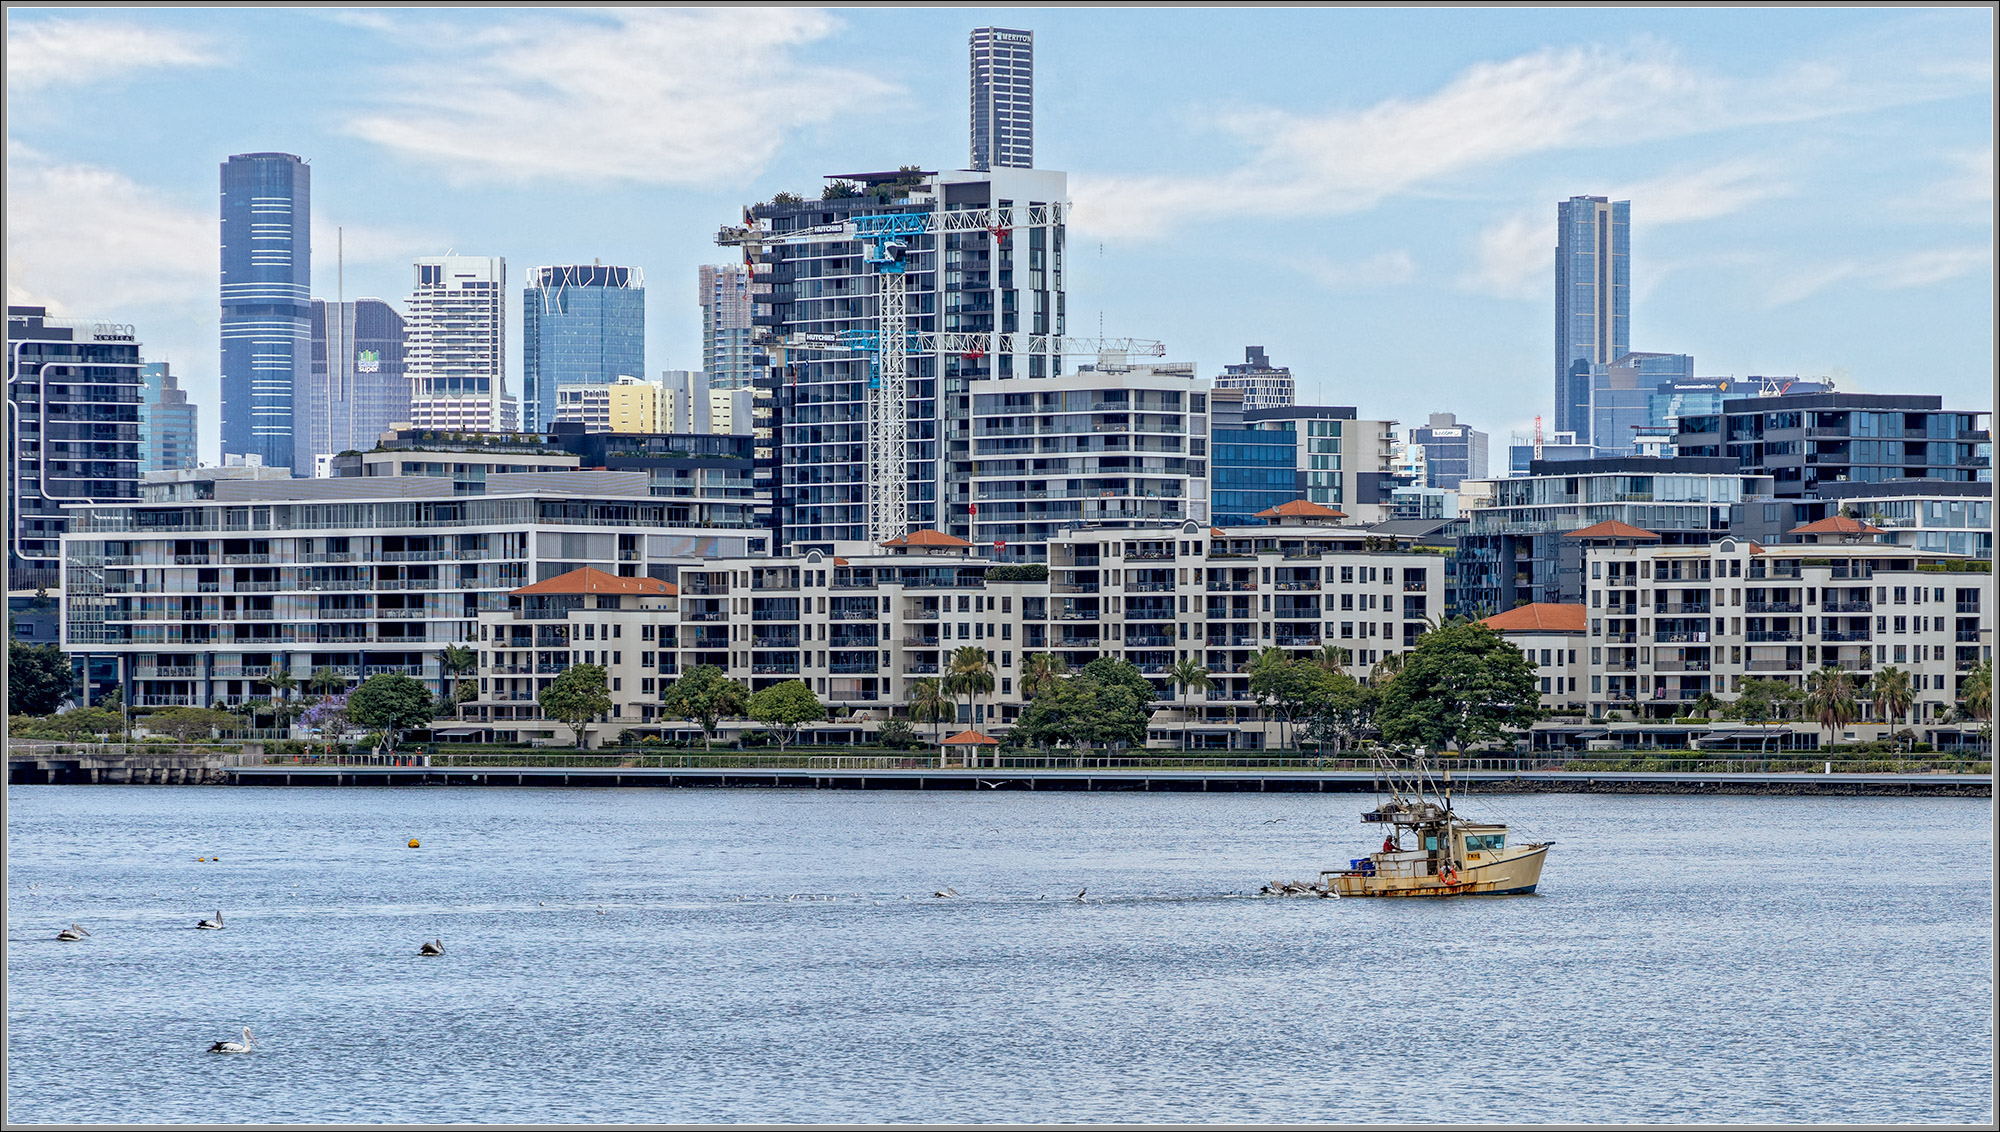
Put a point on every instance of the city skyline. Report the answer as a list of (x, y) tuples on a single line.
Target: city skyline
[(1820, 208)]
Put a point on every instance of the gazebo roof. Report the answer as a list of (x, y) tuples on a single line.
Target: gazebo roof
[(970, 739)]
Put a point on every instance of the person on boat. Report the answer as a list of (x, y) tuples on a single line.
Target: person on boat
[(1389, 845)]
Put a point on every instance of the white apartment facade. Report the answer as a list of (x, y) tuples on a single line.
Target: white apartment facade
[(861, 625), (456, 345), (1670, 623), (200, 588)]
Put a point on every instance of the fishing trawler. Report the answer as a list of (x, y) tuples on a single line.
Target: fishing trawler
[(1431, 851)]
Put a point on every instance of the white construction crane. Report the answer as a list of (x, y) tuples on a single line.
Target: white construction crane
[(889, 348)]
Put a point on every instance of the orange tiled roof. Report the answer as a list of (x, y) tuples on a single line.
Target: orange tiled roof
[(970, 738), (589, 581), (1612, 529), (1300, 508), (1836, 525), (1538, 617), (927, 538), (1217, 532)]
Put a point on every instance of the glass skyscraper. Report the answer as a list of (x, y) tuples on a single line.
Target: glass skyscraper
[(167, 421), (581, 325), (359, 387), (1593, 302), (1003, 98), (266, 306)]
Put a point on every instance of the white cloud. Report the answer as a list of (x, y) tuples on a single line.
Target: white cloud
[(1886, 273), (1383, 269), (1554, 99), (92, 241), (652, 96), (1702, 194), (1514, 258), (46, 53)]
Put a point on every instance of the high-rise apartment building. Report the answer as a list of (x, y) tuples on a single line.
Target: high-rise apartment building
[(1453, 452), (583, 324), (73, 396), (266, 306), (455, 345), (1804, 440), (359, 387), (167, 422), (1003, 275), (1343, 462), (726, 354), (1107, 446), (1593, 301), (1264, 385), (1003, 98)]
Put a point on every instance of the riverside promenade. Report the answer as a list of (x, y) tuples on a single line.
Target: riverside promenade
[(1655, 772)]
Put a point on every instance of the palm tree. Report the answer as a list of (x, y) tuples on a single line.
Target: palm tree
[(1040, 671), (1333, 658), (281, 681), (928, 702), (1189, 673), (326, 681), (1705, 705), (1830, 698), (1891, 691), (970, 675), (457, 661), (1975, 692), (1386, 669)]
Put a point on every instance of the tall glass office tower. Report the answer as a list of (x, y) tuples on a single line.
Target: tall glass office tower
[(266, 306), (1593, 301), (1003, 98), (581, 325)]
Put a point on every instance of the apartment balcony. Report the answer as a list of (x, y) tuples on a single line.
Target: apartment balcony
[(1833, 636), (717, 615), (920, 670), (1148, 587), (1773, 607), (791, 669), (1694, 638), (1231, 587), (855, 615), (176, 672), (407, 584), (1310, 587), (1673, 607), (1846, 607), (1681, 666), (1760, 636), (1964, 636), (774, 615), (1773, 665), (848, 668)]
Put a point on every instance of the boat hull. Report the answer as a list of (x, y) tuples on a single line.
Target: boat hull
[(1515, 872)]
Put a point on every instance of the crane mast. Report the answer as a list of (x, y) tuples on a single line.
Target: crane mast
[(891, 345)]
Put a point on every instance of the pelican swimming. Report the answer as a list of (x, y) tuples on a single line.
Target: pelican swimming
[(233, 1047), (72, 932), (435, 947), (214, 925)]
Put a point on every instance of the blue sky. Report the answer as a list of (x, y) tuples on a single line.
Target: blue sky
[(1370, 194)]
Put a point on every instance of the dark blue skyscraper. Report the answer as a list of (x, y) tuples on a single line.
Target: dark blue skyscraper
[(1593, 301), (582, 325), (266, 306)]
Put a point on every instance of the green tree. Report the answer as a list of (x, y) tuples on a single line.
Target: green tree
[(578, 696), (703, 695), (188, 724), (928, 702), (1333, 658), (1705, 705), (1188, 674), (75, 724), (1283, 686), (458, 662), (1105, 702), (785, 706), (970, 674), (897, 734), (1462, 684), (281, 682), (39, 679), (1040, 671), (1893, 693), (392, 704), (1830, 698), (1975, 692), (1340, 709)]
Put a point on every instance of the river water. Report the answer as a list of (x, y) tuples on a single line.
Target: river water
[(764, 955)]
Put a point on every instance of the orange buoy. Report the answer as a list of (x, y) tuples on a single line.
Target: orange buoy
[(413, 843)]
